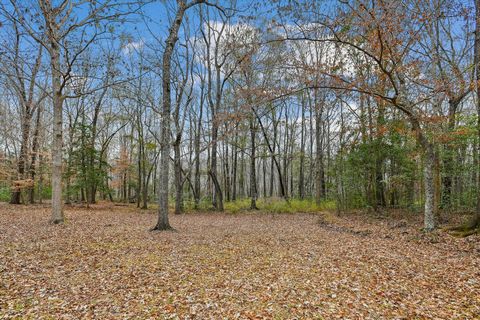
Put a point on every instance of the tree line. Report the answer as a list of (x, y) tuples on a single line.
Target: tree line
[(368, 104)]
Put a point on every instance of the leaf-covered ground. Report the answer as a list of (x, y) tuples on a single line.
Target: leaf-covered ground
[(105, 264)]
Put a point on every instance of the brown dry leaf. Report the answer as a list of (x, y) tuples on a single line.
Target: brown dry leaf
[(103, 263)]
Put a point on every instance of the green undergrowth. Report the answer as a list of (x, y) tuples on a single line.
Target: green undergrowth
[(4, 194), (268, 205)]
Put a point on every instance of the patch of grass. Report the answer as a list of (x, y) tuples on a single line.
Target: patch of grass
[(294, 206), (4, 194), (237, 205), (278, 205), (189, 205), (268, 205), (46, 192)]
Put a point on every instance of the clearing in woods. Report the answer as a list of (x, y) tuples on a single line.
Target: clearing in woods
[(104, 263)]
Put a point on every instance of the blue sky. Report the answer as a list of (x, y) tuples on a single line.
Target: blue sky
[(156, 16)]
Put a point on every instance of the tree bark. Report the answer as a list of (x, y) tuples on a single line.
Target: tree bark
[(57, 143), (448, 161), (320, 171), (272, 152), (227, 169), (235, 162), (253, 176), (477, 78), (26, 121), (429, 215), (178, 178), (35, 147), (430, 222), (164, 163), (380, 201), (301, 177), (274, 159)]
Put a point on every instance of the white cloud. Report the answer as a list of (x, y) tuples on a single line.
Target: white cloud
[(132, 46)]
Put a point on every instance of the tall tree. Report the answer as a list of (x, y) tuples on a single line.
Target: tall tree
[(164, 163), (65, 30), (477, 87)]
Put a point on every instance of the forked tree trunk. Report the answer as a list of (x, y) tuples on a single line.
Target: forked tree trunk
[(274, 159), (164, 163)]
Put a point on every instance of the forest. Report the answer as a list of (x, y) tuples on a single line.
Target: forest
[(240, 159)]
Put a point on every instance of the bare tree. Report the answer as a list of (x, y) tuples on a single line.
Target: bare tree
[(182, 7), (65, 35)]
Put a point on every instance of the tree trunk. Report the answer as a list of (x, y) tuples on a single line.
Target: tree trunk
[(379, 184), (234, 169), (227, 170), (164, 163), (253, 177), (380, 159), (448, 161), (301, 177), (16, 192), (429, 214), (320, 172), (477, 77), (139, 173), (57, 153), (274, 159), (217, 197), (430, 222), (178, 178), (35, 147), (92, 187), (241, 179), (272, 152), (40, 180), (197, 151), (285, 155), (264, 172)]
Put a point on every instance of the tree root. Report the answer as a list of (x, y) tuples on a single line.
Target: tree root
[(470, 227), (57, 221), (163, 228)]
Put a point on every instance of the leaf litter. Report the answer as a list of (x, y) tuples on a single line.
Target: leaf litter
[(104, 263)]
